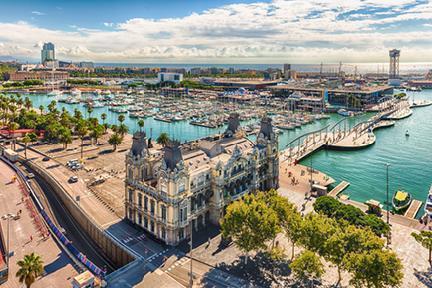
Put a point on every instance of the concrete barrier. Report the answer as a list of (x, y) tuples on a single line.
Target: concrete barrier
[(118, 254)]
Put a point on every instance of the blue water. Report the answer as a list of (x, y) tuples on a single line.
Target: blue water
[(410, 159), (182, 130)]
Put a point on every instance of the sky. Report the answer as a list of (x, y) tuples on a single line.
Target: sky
[(217, 31)]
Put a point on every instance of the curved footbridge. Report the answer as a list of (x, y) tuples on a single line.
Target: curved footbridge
[(339, 136)]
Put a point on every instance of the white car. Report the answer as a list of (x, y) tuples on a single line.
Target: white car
[(73, 179)]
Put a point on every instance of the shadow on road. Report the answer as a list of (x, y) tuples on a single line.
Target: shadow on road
[(60, 262), (424, 277)]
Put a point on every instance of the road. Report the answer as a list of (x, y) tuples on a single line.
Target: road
[(79, 238), (26, 237)]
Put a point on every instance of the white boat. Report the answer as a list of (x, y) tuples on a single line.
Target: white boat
[(345, 113), (76, 92), (55, 93), (71, 100)]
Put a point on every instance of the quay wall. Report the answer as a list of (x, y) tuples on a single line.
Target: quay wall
[(119, 255)]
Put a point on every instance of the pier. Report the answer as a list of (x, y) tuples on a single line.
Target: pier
[(412, 210), (338, 189)]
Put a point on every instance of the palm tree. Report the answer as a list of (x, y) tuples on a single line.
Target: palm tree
[(30, 268), (89, 111), (82, 131), (104, 117), (27, 103), (163, 139), (115, 140), (41, 109), (25, 140), (121, 118), (122, 129), (65, 137), (12, 127), (141, 124), (96, 132)]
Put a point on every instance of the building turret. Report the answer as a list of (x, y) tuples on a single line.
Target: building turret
[(172, 154), (266, 130), (233, 125), (139, 145)]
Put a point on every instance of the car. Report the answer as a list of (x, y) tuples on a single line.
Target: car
[(45, 159), (72, 162), (30, 176), (73, 179)]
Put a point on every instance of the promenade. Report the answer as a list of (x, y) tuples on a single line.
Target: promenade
[(28, 234)]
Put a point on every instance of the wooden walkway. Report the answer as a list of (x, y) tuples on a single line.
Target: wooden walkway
[(413, 209), (338, 189)]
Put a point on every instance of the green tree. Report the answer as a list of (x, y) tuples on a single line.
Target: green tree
[(115, 140), (425, 239), (375, 269), (82, 130), (346, 240), (89, 110), (122, 129), (316, 229), (65, 137), (163, 139), (41, 109), (104, 117), (141, 124), (12, 126), (307, 267), (96, 132), (25, 140), (293, 228), (30, 268), (33, 137), (250, 224), (121, 118)]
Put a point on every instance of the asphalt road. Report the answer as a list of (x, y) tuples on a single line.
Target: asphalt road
[(79, 238)]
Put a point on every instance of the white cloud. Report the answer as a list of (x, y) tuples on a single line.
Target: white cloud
[(38, 13), (284, 30)]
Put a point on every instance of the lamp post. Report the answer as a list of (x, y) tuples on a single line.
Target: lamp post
[(387, 203), (191, 247), (8, 217)]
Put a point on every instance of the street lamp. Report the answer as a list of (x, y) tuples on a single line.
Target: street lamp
[(8, 217), (387, 203), (190, 243)]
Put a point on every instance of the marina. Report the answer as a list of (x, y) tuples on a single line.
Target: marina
[(186, 119)]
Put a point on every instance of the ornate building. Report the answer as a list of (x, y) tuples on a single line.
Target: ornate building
[(169, 190)]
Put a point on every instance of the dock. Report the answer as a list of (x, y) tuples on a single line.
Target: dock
[(413, 209), (338, 189)]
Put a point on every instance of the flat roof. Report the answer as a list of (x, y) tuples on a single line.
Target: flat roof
[(246, 82), (364, 90)]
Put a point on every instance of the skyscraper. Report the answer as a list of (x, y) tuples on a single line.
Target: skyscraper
[(47, 53)]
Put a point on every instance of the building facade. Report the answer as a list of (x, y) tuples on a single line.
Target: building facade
[(47, 53), (39, 75), (170, 77), (172, 190)]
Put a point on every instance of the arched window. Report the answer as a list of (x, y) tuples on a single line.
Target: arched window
[(130, 172)]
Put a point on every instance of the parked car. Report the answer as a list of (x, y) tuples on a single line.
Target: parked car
[(73, 179), (45, 159)]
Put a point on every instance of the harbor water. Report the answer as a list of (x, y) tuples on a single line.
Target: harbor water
[(410, 158)]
